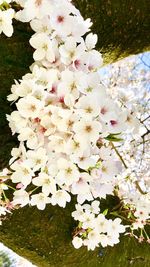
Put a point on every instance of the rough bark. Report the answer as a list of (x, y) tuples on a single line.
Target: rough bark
[(122, 25), (45, 237)]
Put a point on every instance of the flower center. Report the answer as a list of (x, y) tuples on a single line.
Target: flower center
[(89, 89), (113, 122), (38, 161), (73, 86), (45, 47), (104, 169), (1, 21), (72, 53), (88, 128), (60, 19), (38, 2), (47, 181), (69, 171), (25, 171), (88, 110), (33, 108), (103, 110), (70, 123)]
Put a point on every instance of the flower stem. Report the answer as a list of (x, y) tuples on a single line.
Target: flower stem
[(11, 187), (117, 152)]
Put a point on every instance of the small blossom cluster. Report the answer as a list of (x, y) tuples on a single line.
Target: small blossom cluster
[(66, 124), (4, 202), (94, 229), (128, 83), (142, 213)]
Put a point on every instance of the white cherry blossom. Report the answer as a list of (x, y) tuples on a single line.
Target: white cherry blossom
[(94, 207), (77, 242), (21, 197), (23, 173), (27, 134), (29, 107), (61, 20), (61, 197), (115, 227), (70, 52), (33, 9), (90, 41), (68, 172), (44, 48), (48, 183), (40, 200), (87, 129), (81, 186), (41, 25), (16, 121), (37, 159), (6, 17), (87, 107), (69, 84)]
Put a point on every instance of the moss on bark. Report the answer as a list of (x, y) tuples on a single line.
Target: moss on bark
[(122, 25), (45, 237)]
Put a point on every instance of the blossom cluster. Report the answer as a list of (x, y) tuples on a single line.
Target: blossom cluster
[(133, 74), (94, 229), (63, 112), (66, 124)]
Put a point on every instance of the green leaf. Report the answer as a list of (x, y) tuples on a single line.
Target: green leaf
[(97, 166), (114, 138), (105, 212), (80, 224)]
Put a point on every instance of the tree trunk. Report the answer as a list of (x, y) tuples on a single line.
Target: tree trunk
[(122, 25), (44, 237)]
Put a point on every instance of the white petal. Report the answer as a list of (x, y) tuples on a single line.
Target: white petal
[(39, 54), (8, 29)]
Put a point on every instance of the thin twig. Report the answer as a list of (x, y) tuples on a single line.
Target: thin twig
[(139, 188), (117, 152)]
